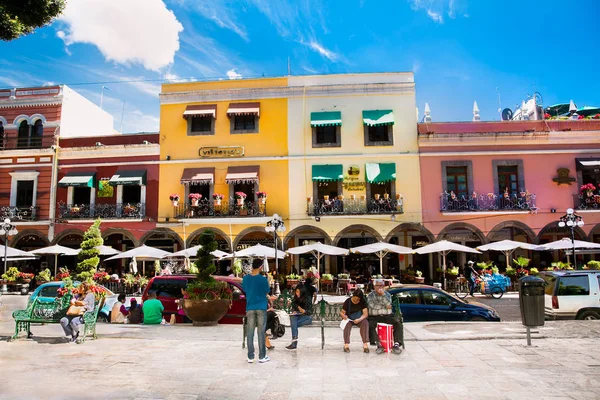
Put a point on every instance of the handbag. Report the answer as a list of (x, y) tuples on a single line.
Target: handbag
[(355, 315), (75, 311)]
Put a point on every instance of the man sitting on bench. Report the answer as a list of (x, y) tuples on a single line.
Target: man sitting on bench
[(380, 311)]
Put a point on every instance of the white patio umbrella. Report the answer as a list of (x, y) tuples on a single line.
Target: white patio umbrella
[(381, 249), (318, 250), (507, 247), (258, 251), (56, 250), (192, 251), (106, 250), (143, 253), (444, 248), (567, 244), (15, 255)]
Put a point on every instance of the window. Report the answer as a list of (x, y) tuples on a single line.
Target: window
[(132, 194), (36, 134), (247, 188), (381, 189), (49, 291), (25, 193), (456, 181), (201, 125), (23, 135), (326, 136), (170, 288), (1, 129), (408, 297), (81, 195), (331, 189), (574, 286), (246, 123), (508, 179), (436, 298), (203, 190), (380, 135)]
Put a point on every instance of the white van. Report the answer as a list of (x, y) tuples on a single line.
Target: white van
[(572, 294)]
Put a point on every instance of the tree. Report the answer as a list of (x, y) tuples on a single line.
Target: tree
[(206, 287), (89, 255), (22, 17)]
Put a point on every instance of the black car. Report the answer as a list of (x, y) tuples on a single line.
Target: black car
[(427, 303)]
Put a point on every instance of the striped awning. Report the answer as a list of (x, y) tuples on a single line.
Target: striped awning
[(198, 176), (380, 173), (78, 179), (326, 118), (328, 173), (128, 178), (378, 117), (245, 174), (201, 110), (244, 109)]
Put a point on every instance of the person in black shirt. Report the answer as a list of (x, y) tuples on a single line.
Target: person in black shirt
[(355, 310)]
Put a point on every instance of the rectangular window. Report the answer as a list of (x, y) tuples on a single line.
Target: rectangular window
[(326, 136), (574, 286), (508, 178), (456, 181), (408, 297), (330, 189), (381, 189), (380, 135), (244, 122), (24, 193), (247, 188), (132, 194), (81, 195), (201, 125), (436, 299)]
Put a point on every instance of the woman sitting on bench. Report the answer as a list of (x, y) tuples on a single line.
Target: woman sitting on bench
[(355, 310)]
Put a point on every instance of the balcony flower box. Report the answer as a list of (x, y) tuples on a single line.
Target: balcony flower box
[(239, 198), (217, 198), (174, 197), (194, 198)]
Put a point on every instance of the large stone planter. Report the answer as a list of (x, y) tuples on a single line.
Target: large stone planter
[(205, 312)]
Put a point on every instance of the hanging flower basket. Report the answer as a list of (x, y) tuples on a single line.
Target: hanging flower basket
[(174, 197)]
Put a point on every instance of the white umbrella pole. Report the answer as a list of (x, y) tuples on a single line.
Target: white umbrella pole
[(55, 264), (444, 267), (381, 264), (143, 268)]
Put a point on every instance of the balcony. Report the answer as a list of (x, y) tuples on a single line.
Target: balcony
[(221, 209), (587, 202), (523, 201), (104, 211), (22, 143), (19, 214), (355, 206)]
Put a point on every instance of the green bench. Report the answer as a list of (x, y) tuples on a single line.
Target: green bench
[(323, 311), (39, 312)]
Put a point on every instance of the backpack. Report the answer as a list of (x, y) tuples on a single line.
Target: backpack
[(278, 329)]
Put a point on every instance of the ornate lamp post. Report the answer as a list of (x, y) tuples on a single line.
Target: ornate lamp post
[(571, 220), (275, 225), (6, 229)]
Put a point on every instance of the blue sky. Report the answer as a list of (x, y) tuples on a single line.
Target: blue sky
[(459, 50)]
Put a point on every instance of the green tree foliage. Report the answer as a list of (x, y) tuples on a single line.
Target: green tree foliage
[(22, 17), (89, 255), (206, 287)]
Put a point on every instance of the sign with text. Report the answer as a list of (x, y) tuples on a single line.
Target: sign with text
[(221, 151)]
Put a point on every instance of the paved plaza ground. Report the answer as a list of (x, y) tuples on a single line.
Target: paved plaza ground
[(441, 361)]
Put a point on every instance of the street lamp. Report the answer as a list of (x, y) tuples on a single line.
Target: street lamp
[(571, 220), (7, 229), (275, 225)]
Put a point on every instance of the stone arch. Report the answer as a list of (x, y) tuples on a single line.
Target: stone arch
[(35, 117), (513, 224), (120, 231), (29, 232), (169, 232), (463, 225), (4, 122), (307, 228), (553, 226), (595, 231), (410, 226), (67, 232), (199, 231), (247, 231), (20, 118), (362, 227)]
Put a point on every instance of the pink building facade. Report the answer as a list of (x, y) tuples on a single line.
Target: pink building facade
[(488, 181)]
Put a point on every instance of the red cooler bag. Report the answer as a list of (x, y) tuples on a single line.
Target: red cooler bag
[(386, 336)]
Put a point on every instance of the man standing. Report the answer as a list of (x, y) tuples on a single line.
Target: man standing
[(257, 290), (152, 310), (380, 311)]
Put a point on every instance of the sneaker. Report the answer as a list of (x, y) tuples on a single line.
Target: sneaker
[(264, 360), (250, 360), (397, 349), (74, 337), (292, 346), (379, 350)]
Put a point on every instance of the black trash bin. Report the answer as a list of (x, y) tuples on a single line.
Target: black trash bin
[(531, 300)]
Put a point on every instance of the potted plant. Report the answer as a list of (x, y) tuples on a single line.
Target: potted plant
[(174, 197), (326, 198), (262, 197), (341, 197), (343, 276), (194, 198), (129, 209), (11, 276), (314, 274), (398, 196), (62, 275), (101, 277), (377, 196), (534, 271), (217, 198), (239, 198), (593, 264), (43, 277), (292, 280), (327, 279), (352, 197), (75, 208), (25, 277), (206, 300), (386, 196), (419, 277), (129, 280), (587, 189)]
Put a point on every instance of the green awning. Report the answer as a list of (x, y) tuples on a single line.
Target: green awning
[(378, 117), (328, 173), (78, 179), (326, 118), (128, 178), (380, 173)]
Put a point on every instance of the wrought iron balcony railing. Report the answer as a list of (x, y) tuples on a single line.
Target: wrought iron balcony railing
[(105, 211), (523, 201), (17, 214), (30, 142), (355, 206), (584, 201), (208, 208)]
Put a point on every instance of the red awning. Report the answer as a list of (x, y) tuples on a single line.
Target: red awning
[(201, 110), (244, 109), (246, 174), (198, 176)]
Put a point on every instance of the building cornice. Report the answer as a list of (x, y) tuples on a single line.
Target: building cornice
[(22, 103), (112, 151), (200, 96)]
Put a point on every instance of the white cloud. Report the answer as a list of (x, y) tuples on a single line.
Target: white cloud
[(435, 17), (232, 74), (136, 121), (436, 9), (330, 55), (219, 12), (127, 31)]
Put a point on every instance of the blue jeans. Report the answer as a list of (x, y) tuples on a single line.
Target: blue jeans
[(256, 319), (297, 321)]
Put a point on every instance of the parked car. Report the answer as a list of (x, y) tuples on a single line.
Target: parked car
[(168, 290), (572, 294), (47, 292), (427, 303)]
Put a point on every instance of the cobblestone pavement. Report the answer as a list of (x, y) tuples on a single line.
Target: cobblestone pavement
[(441, 361)]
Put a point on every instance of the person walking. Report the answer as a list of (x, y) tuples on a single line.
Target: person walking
[(380, 310), (471, 277), (301, 313), (355, 311), (257, 291), (152, 310)]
